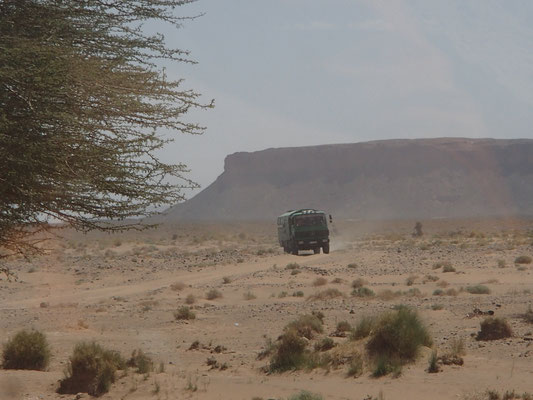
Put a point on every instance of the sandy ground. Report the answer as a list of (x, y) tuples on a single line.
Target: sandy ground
[(121, 291)]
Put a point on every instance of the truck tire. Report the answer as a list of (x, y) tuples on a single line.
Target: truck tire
[(316, 250), (325, 249), (294, 251)]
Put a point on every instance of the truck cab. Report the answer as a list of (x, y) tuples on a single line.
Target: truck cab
[(305, 229)]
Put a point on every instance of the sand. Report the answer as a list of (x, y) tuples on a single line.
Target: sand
[(121, 291)]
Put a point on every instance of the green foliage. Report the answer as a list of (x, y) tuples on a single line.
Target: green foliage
[(398, 335), (91, 370), (355, 368), (433, 366), (493, 329), (184, 313), (82, 104), (26, 350), (363, 328), (289, 352)]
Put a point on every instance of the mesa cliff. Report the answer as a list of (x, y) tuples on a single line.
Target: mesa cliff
[(389, 179)]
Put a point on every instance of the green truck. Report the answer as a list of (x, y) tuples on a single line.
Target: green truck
[(305, 229)]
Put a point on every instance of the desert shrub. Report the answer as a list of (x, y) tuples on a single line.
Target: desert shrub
[(289, 353), (306, 326), (352, 266), (433, 364), (398, 335), (184, 313), (91, 369), (478, 289), (363, 292), (493, 329), (522, 260), (141, 361), (431, 278), (355, 368), (528, 315), (359, 282), (442, 264), (413, 292), (298, 293), (384, 365), (249, 296), (337, 280), (324, 344), (190, 299), (448, 268), (343, 326), (26, 350), (213, 294), (320, 281), (388, 294), (501, 263), (363, 328), (451, 292), (326, 294), (226, 280), (292, 265), (411, 279), (457, 347), (438, 292), (437, 307), (305, 395)]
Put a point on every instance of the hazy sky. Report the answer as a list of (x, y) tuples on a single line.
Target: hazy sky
[(306, 72)]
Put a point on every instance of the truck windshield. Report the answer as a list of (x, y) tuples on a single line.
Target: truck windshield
[(309, 220)]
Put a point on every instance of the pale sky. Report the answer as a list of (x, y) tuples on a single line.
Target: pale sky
[(306, 72)]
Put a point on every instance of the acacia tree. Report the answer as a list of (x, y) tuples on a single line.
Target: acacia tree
[(82, 105)]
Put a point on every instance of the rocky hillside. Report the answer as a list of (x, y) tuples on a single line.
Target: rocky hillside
[(422, 178)]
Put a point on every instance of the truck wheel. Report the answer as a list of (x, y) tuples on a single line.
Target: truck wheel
[(325, 249), (316, 250), (294, 251)]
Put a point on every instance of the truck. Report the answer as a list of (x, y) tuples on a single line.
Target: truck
[(305, 229)]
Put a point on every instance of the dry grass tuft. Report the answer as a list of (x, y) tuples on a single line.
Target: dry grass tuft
[(326, 294)]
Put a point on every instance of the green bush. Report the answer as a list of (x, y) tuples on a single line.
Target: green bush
[(26, 350), (91, 369), (355, 368), (398, 335), (493, 329), (363, 328), (306, 326), (289, 353)]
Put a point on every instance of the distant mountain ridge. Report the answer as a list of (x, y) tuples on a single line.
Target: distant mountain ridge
[(411, 178)]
